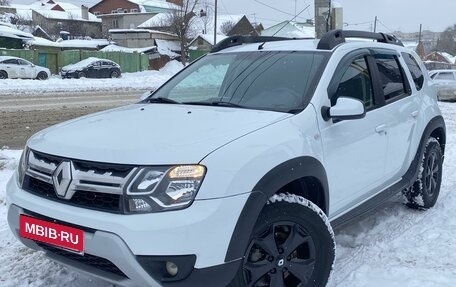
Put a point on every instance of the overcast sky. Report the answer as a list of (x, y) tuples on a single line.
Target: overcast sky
[(404, 15)]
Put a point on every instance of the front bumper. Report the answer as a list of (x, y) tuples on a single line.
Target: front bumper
[(135, 243)]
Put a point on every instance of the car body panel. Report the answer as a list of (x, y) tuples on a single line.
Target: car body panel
[(20, 68)]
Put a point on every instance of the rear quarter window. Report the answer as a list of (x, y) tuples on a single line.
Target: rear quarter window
[(415, 70)]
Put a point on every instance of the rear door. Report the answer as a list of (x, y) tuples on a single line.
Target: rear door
[(26, 69), (401, 109), (11, 66), (354, 150)]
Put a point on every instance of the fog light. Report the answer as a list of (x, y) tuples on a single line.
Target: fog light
[(171, 268)]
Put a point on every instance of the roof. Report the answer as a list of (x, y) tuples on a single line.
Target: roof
[(146, 4), (2, 58), (200, 25), (71, 11), (88, 44), (168, 48), (209, 38), (290, 30), (9, 32), (311, 45), (156, 21), (115, 48), (140, 31)]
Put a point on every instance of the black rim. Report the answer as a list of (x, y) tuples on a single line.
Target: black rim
[(114, 75), (431, 174), (2, 75), (283, 255)]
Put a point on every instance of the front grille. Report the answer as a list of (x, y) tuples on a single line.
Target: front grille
[(86, 199), (91, 185), (86, 259)]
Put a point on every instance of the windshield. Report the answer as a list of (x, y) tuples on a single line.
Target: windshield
[(276, 81)]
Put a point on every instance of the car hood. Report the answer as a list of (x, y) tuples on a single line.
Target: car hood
[(151, 134)]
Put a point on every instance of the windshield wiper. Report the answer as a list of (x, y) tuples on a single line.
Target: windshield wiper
[(215, 103), (162, 100)]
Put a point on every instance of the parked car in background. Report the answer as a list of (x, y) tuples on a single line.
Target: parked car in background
[(92, 68), (445, 82), (13, 67)]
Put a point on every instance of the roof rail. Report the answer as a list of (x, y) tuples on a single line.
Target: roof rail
[(336, 37), (240, 40)]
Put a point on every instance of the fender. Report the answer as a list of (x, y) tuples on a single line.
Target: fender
[(268, 185), (434, 124)]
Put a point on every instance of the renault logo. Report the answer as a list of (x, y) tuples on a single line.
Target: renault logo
[(62, 178)]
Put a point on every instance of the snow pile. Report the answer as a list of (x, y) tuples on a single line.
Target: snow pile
[(139, 81), (391, 246)]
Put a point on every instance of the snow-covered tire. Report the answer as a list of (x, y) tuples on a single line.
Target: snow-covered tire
[(42, 76), (115, 74), (292, 245), (425, 190), (81, 75), (3, 75)]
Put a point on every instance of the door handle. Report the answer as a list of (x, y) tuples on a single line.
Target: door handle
[(415, 114), (381, 129)]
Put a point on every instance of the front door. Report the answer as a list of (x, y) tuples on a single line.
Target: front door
[(354, 150)]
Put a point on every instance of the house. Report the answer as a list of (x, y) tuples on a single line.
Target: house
[(129, 14), (202, 45), (440, 57), (11, 38), (291, 29), (54, 16)]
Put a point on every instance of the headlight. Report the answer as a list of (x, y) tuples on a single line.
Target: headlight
[(156, 189), (22, 167)]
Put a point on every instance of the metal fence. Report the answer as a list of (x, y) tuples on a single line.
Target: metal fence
[(56, 59)]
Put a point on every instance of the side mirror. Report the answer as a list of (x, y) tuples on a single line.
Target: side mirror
[(346, 109)]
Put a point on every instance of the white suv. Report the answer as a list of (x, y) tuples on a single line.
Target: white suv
[(235, 171)]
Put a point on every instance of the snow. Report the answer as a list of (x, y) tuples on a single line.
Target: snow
[(290, 30), (139, 81), (115, 48), (158, 20), (9, 32), (209, 38), (157, 4), (391, 246), (169, 48)]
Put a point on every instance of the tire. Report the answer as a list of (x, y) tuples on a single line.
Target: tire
[(42, 76), (3, 75), (425, 190), (81, 75), (115, 74), (292, 245)]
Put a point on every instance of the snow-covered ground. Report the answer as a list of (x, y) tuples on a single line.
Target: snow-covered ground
[(146, 80), (391, 246)]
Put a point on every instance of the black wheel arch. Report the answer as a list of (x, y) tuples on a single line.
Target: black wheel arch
[(435, 128), (272, 182)]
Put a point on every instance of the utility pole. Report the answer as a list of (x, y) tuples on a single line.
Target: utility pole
[(375, 25), (419, 37), (215, 24)]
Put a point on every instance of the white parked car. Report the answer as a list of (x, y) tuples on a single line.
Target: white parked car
[(13, 67), (445, 82), (235, 171)]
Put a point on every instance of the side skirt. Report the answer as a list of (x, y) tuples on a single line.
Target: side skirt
[(370, 204)]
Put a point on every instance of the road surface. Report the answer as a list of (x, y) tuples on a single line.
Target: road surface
[(21, 117)]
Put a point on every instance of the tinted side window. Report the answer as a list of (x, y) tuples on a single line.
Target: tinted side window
[(415, 70), (445, 76), (356, 83), (391, 77), (10, 61)]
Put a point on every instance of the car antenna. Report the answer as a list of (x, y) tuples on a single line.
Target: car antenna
[(288, 22)]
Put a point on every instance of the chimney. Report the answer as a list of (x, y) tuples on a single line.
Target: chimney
[(85, 12)]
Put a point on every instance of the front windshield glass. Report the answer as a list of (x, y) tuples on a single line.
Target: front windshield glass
[(257, 80)]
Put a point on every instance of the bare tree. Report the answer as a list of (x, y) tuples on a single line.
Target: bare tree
[(180, 23), (227, 27), (447, 41), (5, 2)]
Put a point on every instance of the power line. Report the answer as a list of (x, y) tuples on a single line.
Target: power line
[(386, 27), (278, 10)]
